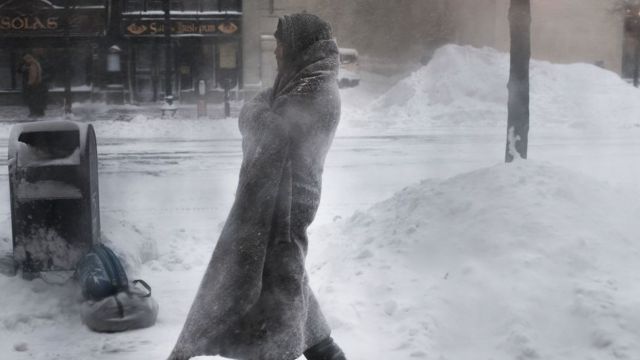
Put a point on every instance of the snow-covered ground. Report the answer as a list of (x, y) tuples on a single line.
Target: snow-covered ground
[(426, 245)]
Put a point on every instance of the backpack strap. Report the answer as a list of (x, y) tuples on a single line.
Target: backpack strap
[(120, 306), (145, 285)]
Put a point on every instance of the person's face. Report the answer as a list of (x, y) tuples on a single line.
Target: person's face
[(279, 52), (28, 59)]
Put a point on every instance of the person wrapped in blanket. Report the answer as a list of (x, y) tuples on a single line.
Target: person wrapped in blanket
[(254, 301)]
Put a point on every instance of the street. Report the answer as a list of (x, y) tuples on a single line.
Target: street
[(171, 196), (156, 175)]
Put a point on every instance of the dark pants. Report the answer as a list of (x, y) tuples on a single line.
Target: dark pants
[(36, 99), (325, 350)]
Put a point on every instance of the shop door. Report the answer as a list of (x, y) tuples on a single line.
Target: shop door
[(194, 63)]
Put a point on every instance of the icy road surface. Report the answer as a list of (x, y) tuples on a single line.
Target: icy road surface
[(195, 176)]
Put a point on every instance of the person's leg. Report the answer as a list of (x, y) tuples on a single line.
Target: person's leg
[(327, 349), (41, 101), (39, 107), (28, 99)]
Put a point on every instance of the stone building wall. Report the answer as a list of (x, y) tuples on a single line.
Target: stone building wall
[(395, 36), (562, 31)]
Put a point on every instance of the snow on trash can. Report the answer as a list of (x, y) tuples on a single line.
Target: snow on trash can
[(53, 177)]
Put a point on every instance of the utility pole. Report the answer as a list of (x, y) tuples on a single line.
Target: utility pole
[(168, 88), (518, 107), (635, 14), (67, 57)]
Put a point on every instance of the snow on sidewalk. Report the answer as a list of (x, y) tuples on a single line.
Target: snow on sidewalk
[(518, 261), (135, 122), (526, 260)]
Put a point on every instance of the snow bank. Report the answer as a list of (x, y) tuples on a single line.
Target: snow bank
[(518, 261), (131, 244), (467, 86), (147, 126), (462, 86), (134, 122), (26, 306)]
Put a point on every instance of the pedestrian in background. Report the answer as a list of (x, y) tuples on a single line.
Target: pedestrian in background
[(255, 302), (34, 89)]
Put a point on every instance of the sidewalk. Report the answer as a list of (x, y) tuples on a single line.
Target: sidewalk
[(102, 111)]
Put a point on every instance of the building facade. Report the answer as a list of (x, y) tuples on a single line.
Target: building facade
[(118, 48), (39, 28), (260, 21), (562, 31), (206, 46)]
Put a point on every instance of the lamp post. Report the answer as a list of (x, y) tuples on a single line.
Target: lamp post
[(168, 89), (67, 57), (633, 12)]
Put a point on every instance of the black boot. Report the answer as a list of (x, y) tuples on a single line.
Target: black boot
[(325, 350)]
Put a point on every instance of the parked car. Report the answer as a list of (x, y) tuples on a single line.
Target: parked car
[(349, 72)]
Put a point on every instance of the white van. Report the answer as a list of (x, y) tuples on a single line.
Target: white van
[(349, 72)]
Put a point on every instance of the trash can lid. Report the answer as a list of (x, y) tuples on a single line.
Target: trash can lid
[(44, 127)]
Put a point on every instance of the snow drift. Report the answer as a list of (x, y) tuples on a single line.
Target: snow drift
[(133, 122), (519, 261), (467, 86)]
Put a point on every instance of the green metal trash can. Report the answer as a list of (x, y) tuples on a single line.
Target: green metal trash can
[(53, 178)]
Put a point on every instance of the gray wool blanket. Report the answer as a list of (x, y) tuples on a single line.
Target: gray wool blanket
[(254, 301)]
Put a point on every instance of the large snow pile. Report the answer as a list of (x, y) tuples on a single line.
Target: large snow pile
[(520, 261), (467, 86)]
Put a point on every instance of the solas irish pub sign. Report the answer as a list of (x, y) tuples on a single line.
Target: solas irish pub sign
[(29, 23), (133, 27), (49, 22)]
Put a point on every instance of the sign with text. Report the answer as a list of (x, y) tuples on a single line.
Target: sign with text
[(197, 27), (86, 22)]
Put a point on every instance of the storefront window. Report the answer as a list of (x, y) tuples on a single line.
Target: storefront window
[(6, 70), (153, 5), (52, 62), (134, 5), (184, 5), (147, 63), (228, 64), (211, 5), (78, 2), (191, 5), (228, 53), (207, 64), (231, 5), (142, 5)]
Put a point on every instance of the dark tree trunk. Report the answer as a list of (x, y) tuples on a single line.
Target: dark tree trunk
[(168, 73), (636, 54), (67, 57), (518, 108)]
